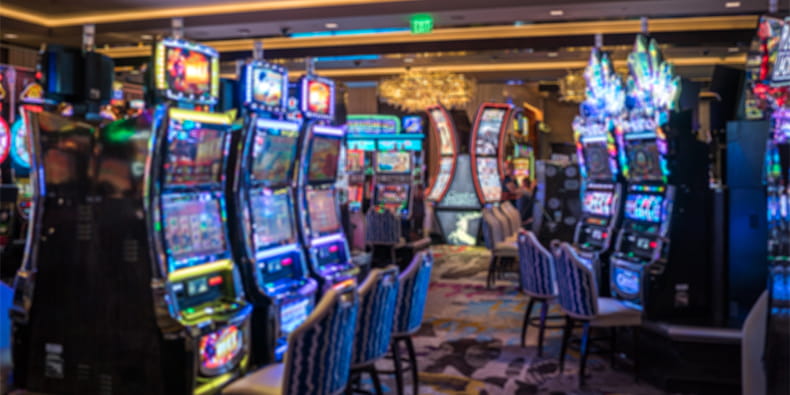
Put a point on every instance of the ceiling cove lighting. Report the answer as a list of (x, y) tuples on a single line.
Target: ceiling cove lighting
[(354, 32), (732, 4), (556, 12), (331, 25)]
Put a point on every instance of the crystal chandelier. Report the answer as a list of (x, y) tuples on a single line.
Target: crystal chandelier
[(416, 90)]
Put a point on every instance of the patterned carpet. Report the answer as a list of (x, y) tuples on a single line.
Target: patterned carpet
[(469, 343)]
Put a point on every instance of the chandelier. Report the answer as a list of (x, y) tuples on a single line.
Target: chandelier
[(416, 90), (573, 87)]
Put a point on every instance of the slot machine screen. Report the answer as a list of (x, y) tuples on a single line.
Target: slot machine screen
[(488, 131), (446, 140), (323, 162), (644, 160), (322, 209), (596, 160), (488, 177), (273, 154), (643, 207), (392, 194), (397, 162), (267, 87), (318, 98), (220, 348), (272, 220), (355, 161), (193, 227), (195, 152), (187, 70), (598, 203), (445, 171)]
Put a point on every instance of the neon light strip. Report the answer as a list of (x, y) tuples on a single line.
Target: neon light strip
[(327, 239), (346, 58), (642, 135), (353, 32), (327, 130), (260, 255), (594, 139), (268, 123)]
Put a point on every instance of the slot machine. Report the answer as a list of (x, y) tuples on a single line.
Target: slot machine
[(397, 177), (318, 210), (660, 261), (597, 151), (494, 123), (263, 222)]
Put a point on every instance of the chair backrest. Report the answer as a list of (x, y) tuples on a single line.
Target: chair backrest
[(414, 282), (378, 297), (512, 214), (318, 359), (578, 292), (494, 228), (504, 221), (488, 229), (383, 227), (753, 378), (536, 265)]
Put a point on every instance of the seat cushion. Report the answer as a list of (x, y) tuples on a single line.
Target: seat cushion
[(512, 238), (505, 249), (612, 312), (266, 381)]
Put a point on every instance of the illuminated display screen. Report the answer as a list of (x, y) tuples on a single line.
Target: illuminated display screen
[(272, 218), (193, 227), (393, 162), (294, 314), (323, 162), (267, 86), (220, 348), (197, 291), (627, 281), (20, 151), (392, 194), (445, 171), (5, 140), (641, 207), (280, 267), (400, 145), (187, 71), (362, 145), (273, 154), (598, 203), (596, 160), (412, 124), (521, 169), (644, 160), (488, 177), (318, 98), (355, 161), (446, 140), (195, 152), (322, 209), (488, 131), (372, 124)]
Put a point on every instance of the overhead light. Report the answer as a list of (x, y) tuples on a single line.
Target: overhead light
[(408, 60), (146, 37), (518, 23), (559, 12), (331, 25), (552, 54), (733, 49), (732, 4), (10, 36)]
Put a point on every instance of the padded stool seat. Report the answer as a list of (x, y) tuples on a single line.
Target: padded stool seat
[(505, 249), (612, 312), (266, 381)]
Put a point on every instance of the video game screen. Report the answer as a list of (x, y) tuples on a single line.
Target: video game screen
[(598, 203), (273, 154), (355, 161), (187, 71), (267, 86), (393, 162), (272, 218), (221, 348), (392, 194), (195, 152), (318, 98), (323, 162), (446, 141), (322, 209), (488, 131), (193, 227), (643, 207), (596, 160), (445, 171), (644, 160), (488, 177)]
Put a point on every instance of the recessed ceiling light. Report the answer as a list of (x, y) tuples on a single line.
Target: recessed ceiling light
[(732, 4), (408, 60), (331, 25), (733, 49), (556, 12), (552, 54), (518, 23), (146, 37), (10, 36)]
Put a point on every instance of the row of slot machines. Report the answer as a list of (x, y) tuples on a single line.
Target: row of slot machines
[(172, 250)]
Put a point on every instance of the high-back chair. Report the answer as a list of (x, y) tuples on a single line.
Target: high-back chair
[(383, 234), (512, 214), (414, 282), (538, 280), (378, 297), (578, 297), (508, 228), (501, 249), (318, 357)]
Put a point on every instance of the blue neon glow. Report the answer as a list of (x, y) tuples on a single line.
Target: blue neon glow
[(261, 255), (349, 32), (327, 239), (345, 58)]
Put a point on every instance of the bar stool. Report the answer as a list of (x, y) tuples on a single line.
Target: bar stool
[(318, 358), (578, 296), (378, 297), (501, 249), (538, 281)]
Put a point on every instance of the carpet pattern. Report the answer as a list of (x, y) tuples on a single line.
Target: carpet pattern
[(469, 342)]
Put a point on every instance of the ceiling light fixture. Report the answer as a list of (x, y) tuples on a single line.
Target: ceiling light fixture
[(146, 37), (415, 90), (10, 36), (733, 49), (732, 4), (556, 12), (331, 25), (552, 54)]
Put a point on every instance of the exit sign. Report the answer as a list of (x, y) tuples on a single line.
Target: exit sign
[(421, 24)]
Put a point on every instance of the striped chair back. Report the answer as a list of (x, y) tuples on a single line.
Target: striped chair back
[(489, 223), (382, 227), (378, 297), (536, 265), (512, 214), (495, 227), (318, 359), (507, 228), (414, 282), (578, 292)]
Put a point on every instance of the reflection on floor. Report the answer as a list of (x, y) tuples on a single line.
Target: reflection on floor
[(469, 343)]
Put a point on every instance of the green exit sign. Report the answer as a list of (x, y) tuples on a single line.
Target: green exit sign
[(421, 24)]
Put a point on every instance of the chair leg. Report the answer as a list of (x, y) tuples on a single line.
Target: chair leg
[(612, 345), (585, 349), (635, 351), (490, 277), (544, 309), (374, 375), (398, 367), (524, 325), (566, 334), (415, 372)]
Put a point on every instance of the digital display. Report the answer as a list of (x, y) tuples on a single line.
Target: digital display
[(20, 150), (596, 161), (197, 291), (627, 281), (372, 124), (272, 218), (598, 203), (5, 140), (187, 71), (273, 154), (521, 170), (318, 97), (644, 159), (323, 162), (322, 209), (445, 171), (488, 131), (355, 161), (400, 145), (393, 162), (220, 348), (641, 207), (195, 152), (362, 145), (412, 124), (446, 138), (193, 227), (488, 177), (293, 314), (280, 267), (392, 194), (267, 86)]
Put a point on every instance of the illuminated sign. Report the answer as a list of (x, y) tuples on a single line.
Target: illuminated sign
[(372, 124), (421, 23)]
